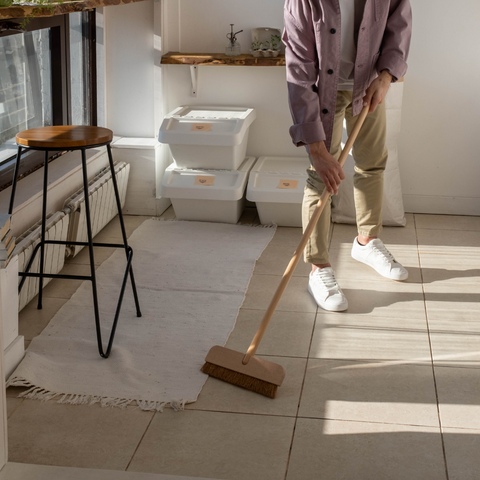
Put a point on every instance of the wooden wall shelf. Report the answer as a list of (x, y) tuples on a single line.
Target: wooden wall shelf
[(31, 10), (197, 59)]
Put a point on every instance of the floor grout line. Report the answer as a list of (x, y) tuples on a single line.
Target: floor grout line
[(300, 397), (431, 354), (140, 441)]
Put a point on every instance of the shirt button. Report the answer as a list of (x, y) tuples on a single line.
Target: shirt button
[(333, 30), (330, 72), (359, 66), (324, 111)]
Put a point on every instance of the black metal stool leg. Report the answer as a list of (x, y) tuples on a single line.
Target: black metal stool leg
[(128, 250), (44, 222), (14, 182), (90, 250)]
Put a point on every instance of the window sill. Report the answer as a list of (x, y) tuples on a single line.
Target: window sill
[(29, 10)]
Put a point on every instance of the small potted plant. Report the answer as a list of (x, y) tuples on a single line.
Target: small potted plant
[(275, 45), (265, 50), (256, 49)]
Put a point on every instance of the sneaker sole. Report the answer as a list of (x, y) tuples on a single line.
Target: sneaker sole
[(324, 307), (361, 260)]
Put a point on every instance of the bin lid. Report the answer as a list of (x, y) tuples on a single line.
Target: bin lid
[(278, 180), (206, 125), (203, 184)]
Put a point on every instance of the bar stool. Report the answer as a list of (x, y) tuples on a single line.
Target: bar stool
[(68, 137)]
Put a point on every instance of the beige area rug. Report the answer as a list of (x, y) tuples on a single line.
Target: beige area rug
[(191, 280)]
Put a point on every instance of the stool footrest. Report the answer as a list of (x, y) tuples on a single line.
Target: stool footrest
[(85, 244), (54, 275)]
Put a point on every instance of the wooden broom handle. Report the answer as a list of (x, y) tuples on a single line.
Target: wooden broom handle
[(303, 243)]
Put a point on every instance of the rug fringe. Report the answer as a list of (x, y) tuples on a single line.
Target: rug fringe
[(39, 393)]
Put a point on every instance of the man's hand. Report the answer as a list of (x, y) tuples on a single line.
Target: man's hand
[(326, 166), (377, 91)]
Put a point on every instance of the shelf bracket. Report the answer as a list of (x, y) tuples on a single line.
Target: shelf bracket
[(194, 75)]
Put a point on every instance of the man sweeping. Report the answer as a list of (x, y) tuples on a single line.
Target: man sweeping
[(342, 55)]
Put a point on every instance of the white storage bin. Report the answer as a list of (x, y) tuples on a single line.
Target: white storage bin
[(207, 195), (276, 185), (207, 137)]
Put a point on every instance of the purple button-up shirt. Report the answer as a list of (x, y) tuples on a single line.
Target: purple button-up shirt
[(312, 37)]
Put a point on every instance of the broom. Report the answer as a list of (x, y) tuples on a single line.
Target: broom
[(245, 370)]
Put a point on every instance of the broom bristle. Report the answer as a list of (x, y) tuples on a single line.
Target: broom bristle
[(240, 379)]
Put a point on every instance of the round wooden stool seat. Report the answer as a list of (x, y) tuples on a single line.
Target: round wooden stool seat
[(64, 136)]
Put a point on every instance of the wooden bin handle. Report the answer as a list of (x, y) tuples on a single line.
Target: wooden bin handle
[(303, 243)]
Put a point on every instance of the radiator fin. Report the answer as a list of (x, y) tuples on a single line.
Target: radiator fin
[(103, 207), (56, 229)]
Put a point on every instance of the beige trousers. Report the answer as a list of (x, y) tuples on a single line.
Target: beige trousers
[(370, 154)]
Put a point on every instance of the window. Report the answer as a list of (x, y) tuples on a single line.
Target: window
[(47, 77)]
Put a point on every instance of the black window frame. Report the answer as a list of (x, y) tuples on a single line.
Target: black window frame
[(60, 79)]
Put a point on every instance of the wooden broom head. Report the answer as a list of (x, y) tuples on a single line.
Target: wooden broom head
[(258, 375)]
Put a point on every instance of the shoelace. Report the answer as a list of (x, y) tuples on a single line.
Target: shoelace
[(382, 249), (327, 280)]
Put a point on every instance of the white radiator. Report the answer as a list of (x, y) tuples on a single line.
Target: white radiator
[(103, 207), (56, 229)]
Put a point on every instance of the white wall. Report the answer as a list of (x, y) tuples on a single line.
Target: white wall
[(438, 159), (129, 69)]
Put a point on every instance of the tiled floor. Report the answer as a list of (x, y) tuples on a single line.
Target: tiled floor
[(389, 389)]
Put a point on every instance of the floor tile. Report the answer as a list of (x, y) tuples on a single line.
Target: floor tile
[(249, 216), (32, 321), (384, 298), (15, 391), (369, 392), (448, 242), (295, 298), (286, 237), (223, 397), (459, 347), (367, 337), (410, 218), (168, 214), (13, 404), (22, 471), (451, 269), (461, 451), (275, 259), (458, 396), (457, 303), (288, 334), (65, 288), (112, 231), (447, 222), (75, 435), (216, 445), (100, 254), (337, 450)]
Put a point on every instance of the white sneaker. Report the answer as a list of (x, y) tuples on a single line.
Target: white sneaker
[(325, 290), (376, 255)]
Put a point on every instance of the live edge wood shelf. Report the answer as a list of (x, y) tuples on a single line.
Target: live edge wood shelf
[(30, 10), (197, 59)]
